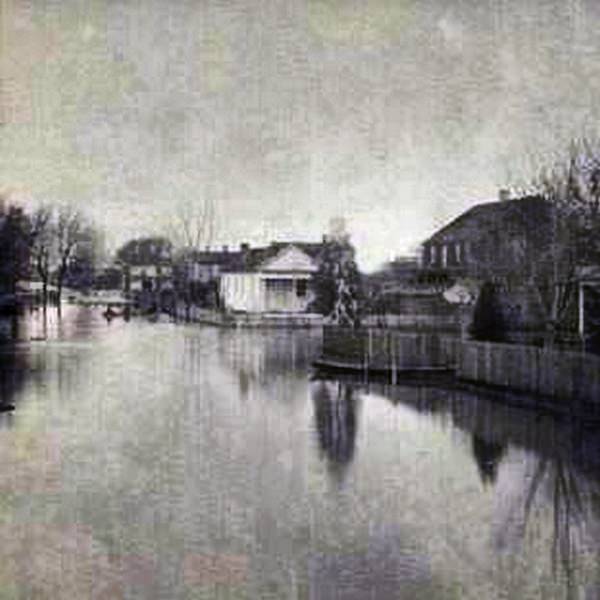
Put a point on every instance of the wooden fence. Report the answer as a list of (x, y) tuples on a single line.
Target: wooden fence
[(384, 349), (553, 373), (557, 374)]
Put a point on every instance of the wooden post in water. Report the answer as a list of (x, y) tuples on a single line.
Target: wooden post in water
[(393, 358)]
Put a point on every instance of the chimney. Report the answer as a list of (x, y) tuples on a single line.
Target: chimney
[(244, 247), (503, 195), (225, 249), (207, 248)]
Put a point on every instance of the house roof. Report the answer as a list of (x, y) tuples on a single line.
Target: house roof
[(250, 259), (520, 213), (258, 256), (227, 260)]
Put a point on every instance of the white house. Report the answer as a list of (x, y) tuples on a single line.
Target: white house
[(279, 282)]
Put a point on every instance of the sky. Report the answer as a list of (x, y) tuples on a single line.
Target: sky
[(395, 114)]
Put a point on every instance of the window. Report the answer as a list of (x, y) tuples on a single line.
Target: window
[(280, 285), (301, 288), (458, 251)]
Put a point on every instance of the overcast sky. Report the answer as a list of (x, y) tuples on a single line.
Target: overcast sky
[(397, 114)]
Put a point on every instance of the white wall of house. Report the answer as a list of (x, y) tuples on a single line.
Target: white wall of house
[(281, 284), (266, 292)]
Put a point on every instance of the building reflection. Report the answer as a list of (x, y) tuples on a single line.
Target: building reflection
[(264, 354), (335, 410), (72, 322), (488, 455), (561, 461)]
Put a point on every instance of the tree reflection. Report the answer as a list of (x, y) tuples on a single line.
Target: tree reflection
[(560, 481), (488, 456), (336, 423), (13, 363)]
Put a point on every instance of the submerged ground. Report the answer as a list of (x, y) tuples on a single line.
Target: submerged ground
[(158, 460)]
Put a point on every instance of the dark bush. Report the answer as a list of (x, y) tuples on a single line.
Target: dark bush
[(488, 321)]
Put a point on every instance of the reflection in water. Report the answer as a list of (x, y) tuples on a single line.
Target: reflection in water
[(176, 461), (488, 455), (556, 482), (335, 408), (384, 570), (561, 478), (9, 328), (260, 355), (14, 364)]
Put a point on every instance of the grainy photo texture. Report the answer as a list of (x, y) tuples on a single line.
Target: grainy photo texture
[(299, 299)]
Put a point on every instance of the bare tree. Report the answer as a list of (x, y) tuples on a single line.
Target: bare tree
[(41, 241), (54, 235), (68, 229), (193, 224), (571, 190)]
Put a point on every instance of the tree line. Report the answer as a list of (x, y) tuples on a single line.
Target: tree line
[(46, 244)]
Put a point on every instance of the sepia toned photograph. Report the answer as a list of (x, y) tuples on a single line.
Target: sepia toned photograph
[(299, 299)]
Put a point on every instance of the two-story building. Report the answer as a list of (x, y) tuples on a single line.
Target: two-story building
[(499, 242), (147, 269), (489, 239)]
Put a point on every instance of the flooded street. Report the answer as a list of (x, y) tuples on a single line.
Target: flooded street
[(159, 460)]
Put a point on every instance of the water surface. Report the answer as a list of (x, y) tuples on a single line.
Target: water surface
[(159, 460)]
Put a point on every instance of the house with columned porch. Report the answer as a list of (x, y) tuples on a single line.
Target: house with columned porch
[(275, 279)]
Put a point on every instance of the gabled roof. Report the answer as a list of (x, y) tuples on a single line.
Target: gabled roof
[(522, 213), (290, 259), (251, 259), (258, 256)]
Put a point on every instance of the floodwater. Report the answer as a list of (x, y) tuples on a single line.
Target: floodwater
[(159, 460)]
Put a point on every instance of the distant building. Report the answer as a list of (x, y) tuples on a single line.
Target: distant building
[(495, 242), (397, 273), (204, 266), (275, 279), (109, 277), (488, 239), (147, 268), (401, 295)]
